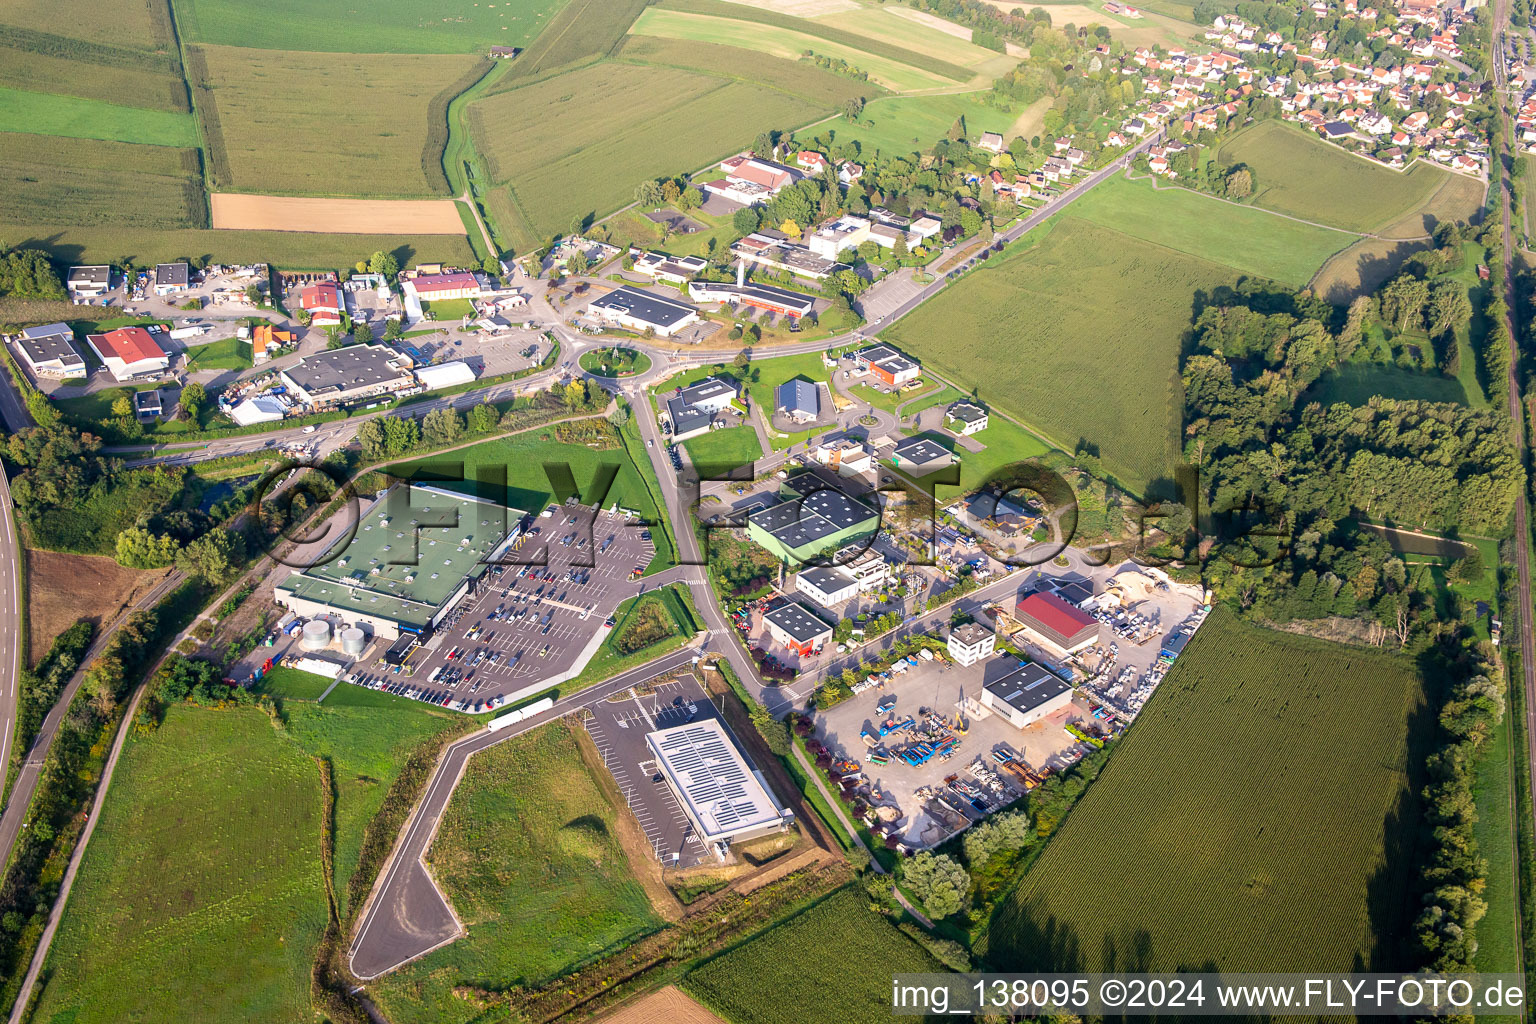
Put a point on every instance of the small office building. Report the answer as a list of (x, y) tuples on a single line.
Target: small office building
[(172, 277), (826, 586), (691, 410), (793, 626), (798, 400), (88, 282), (970, 642), (886, 364)]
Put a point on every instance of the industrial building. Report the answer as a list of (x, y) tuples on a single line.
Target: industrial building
[(636, 310), (88, 282), (725, 799), (781, 301), (658, 266), (438, 287), (793, 626), (1026, 695), (826, 586), (172, 277), (887, 364), (1061, 627), (773, 250), (799, 529), (399, 571), (129, 352), (970, 642), (49, 351), (798, 400), (349, 374)]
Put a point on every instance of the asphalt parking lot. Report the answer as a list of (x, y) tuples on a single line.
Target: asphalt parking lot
[(618, 727), (531, 625)]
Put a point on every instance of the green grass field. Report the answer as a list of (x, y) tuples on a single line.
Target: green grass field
[(43, 113), (725, 449), (224, 354), (551, 146), (1006, 443), (386, 26), (779, 41), (1299, 174), (582, 30), (366, 139), (528, 856), (281, 681), (888, 25), (1247, 240), (786, 966), (1092, 320), (611, 658), (1498, 933), (450, 309), (201, 893), (907, 124), (524, 456), (1260, 816), (1356, 383), (97, 183)]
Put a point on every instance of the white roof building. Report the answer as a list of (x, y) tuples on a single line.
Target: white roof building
[(724, 797), (445, 375), (261, 409)]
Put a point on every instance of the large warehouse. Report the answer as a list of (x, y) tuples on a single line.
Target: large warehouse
[(399, 573), (800, 529), (349, 374), (726, 800), (1063, 627), (637, 310)]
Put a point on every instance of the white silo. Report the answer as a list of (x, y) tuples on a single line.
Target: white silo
[(353, 640), (316, 636)]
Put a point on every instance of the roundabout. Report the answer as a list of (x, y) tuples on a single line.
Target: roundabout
[(616, 362)]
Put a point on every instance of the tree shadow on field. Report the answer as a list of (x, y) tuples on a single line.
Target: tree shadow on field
[(60, 252), (1394, 891), (404, 255)]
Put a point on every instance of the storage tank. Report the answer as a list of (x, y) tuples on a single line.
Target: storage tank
[(317, 635), (353, 640)]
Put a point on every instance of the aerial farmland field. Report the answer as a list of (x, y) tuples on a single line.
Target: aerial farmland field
[(201, 893), (369, 138), (1248, 240), (555, 140), (1093, 320), (1297, 173), (529, 855), (145, 82), (1249, 822), (385, 26), (796, 77), (756, 981), (44, 113), (784, 42), (97, 182), (141, 25)]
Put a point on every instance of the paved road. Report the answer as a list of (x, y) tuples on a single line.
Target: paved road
[(1522, 523), (26, 781), (407, 916), (11, 640)]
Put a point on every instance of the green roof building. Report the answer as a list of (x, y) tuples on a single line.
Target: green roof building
[(405, 567)]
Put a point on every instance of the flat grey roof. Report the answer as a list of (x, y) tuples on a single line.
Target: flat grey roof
[(825, 579), (657, 310), (722, 794), (99, 274), (706, 389), (793, 619), (922, 449), (1027, 687), (171, 273), (686, 418), (48, 342), (966, 412), (970, 633), (345, 369)]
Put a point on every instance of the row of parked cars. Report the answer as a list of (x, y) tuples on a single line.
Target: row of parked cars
[(429, 695)]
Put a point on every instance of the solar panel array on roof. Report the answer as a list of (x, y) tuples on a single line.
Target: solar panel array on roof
[(720, 792)]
